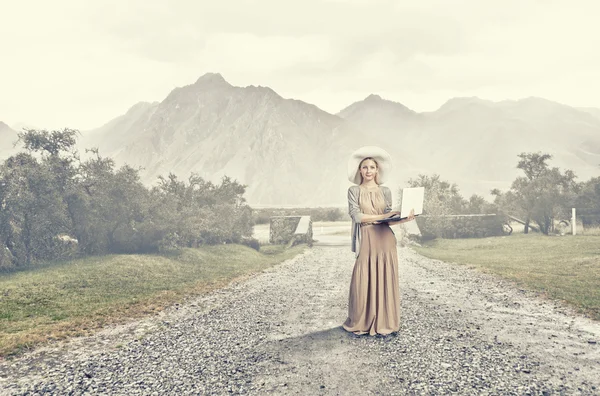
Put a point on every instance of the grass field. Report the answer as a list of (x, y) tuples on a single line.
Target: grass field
[(566, 268), (80, 296)]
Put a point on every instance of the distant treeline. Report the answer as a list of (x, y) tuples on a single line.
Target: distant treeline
[(443, 202), (263, 215), (53, 205), (543, 196)]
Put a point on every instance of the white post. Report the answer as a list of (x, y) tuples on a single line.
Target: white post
[(574, 221)]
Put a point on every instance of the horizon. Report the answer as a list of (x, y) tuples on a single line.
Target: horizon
[(380, 96)]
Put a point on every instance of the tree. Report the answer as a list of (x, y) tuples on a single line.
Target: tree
[(33, 211), (543, 193), (533, 164), (333, 214), (52, 143), (49, 196), (200, 212), (588, 201), (34, 186), (441, 199), (505, 204)]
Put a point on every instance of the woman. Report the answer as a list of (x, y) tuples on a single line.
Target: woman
[(374, 300)]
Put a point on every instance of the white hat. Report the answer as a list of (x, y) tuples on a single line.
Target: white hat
[(382, 157)]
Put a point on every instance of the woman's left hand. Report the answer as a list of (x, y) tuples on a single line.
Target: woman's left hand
[(410, 217)]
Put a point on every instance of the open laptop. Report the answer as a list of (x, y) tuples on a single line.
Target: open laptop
[(412, 198)]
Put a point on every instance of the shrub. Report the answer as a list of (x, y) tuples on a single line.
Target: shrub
[(252, 243)]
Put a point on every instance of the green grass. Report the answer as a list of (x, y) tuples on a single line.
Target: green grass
[(564, 268), (79, 296)]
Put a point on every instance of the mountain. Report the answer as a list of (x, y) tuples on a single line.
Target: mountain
[(286, 151), (475, 142), (289, 152), (390, 125), (591, 110), (8, 137), (115, 134), (23, 125)]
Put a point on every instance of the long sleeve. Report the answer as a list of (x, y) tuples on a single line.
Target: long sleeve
[(387, 194), (353, 207)]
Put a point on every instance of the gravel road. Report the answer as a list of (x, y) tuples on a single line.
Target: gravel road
[(279, 332)]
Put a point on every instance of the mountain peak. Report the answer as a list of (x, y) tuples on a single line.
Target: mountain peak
[(375, 102), (211, 79), (378, 101), (464, 101), (373, 98)]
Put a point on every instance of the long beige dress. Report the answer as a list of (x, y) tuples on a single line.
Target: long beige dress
[(374, 298)]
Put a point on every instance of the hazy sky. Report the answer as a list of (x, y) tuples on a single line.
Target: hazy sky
[(78, 64)]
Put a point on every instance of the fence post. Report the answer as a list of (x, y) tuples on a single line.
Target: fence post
[(574, 221)]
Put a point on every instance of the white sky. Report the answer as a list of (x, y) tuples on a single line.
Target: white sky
[(80, 63)]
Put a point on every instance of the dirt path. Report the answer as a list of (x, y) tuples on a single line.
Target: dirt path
[(279, 333)]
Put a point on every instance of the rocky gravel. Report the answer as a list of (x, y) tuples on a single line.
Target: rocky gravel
[(279, 332)]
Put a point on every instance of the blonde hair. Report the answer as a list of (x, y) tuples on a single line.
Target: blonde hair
[(376, 164)]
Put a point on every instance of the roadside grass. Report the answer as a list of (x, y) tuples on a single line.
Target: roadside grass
[(77, 297), (564, 268), (590, 231)]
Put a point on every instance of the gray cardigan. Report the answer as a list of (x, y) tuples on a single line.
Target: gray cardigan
[(356, 215)]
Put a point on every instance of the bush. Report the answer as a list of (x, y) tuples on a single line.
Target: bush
[(170, 242), (460, 227), (252, 243), (55, 206), (443, 202), (7, 261)]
